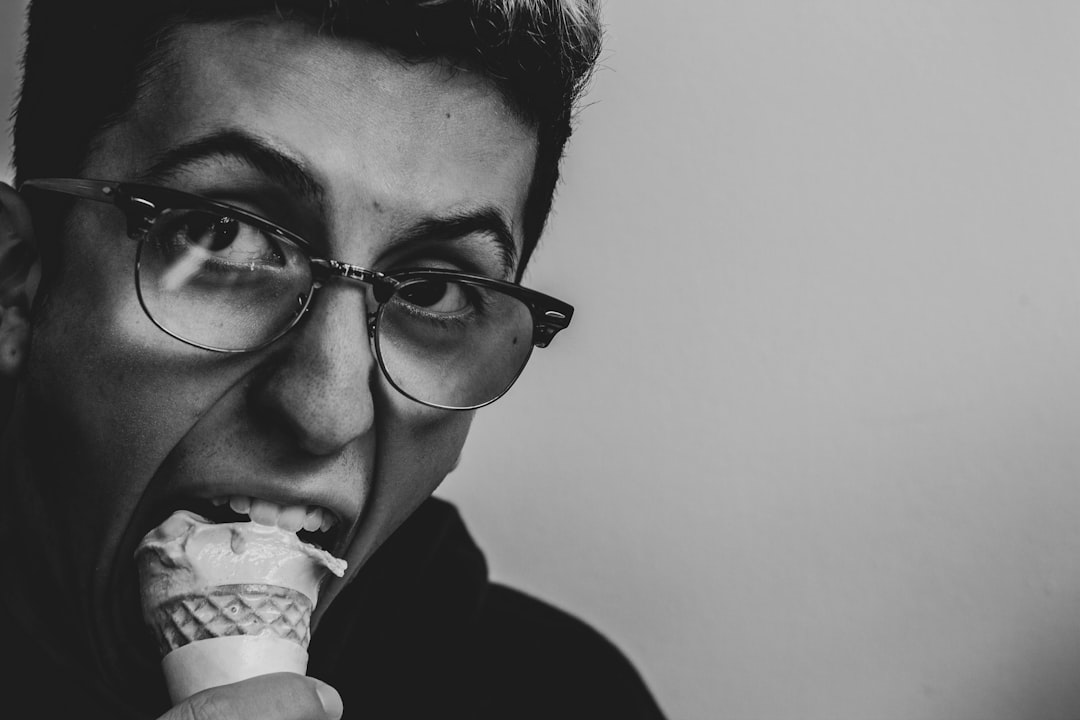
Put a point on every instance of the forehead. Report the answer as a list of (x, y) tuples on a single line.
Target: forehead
[(370, 128)]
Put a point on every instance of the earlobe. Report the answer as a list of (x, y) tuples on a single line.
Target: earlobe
[(19, 275)]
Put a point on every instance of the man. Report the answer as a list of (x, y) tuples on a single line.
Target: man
[(262, 263)]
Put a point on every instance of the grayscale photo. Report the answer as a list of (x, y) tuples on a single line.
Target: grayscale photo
[(540, 359)]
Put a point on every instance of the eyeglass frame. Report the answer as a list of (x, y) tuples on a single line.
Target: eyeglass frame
[(144, 204)]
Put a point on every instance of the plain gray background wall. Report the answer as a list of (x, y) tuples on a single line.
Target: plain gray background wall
[(810, 450)]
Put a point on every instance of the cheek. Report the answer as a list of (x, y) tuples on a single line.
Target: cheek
[(428, 441), (91, 342), (90, 299), (101, 406), (113, 394), (417, 448)]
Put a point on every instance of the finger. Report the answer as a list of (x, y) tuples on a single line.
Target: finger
[(278, 696)]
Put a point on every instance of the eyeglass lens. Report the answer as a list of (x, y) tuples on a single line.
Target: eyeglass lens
[(221, 283), (463, 349)]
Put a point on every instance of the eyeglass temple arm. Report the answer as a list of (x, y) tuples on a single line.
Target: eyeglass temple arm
[(134, 207), (86, 189)]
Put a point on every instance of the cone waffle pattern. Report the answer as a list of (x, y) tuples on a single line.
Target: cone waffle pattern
[(225, 610)]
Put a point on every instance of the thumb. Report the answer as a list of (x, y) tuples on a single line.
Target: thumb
[(278, 696)]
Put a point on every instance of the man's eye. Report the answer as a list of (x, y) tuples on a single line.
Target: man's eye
[(224, 234), (463, 259), (221, 238), (436, 296), (215, 235)]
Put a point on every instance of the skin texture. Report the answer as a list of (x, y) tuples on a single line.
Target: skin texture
[(115, 422), (279, 696)]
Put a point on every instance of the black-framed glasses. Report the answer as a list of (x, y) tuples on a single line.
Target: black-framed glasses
[(223, 279)]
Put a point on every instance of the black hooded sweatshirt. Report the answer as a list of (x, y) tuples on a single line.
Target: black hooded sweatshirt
[(420, 634)]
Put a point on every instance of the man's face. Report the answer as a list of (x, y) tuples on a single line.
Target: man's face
[(135, 424)]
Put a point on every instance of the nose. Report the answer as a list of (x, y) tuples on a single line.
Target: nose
[(317, 387)]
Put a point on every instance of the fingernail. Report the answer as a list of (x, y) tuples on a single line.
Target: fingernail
[(330, 699)]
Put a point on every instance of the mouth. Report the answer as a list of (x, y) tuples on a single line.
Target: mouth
[(313, 524)]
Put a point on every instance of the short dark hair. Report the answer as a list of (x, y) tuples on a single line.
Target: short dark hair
[(86, 61)]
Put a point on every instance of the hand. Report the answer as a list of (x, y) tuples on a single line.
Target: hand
[(278, 696)]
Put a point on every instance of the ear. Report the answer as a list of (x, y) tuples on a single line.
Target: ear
[(20, 273)]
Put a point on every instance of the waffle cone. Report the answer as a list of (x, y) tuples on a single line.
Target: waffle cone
[(248, 609)]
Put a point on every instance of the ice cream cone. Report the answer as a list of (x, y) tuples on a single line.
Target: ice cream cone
[(228, 601)]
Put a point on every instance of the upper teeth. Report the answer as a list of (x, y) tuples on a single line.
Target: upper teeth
[(287, 517)]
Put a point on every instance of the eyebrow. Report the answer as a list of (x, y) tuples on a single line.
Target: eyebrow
[(291, 174), (485, 221), (236, 144)]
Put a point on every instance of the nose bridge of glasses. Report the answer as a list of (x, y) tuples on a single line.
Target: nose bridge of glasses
[(381, 286)]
